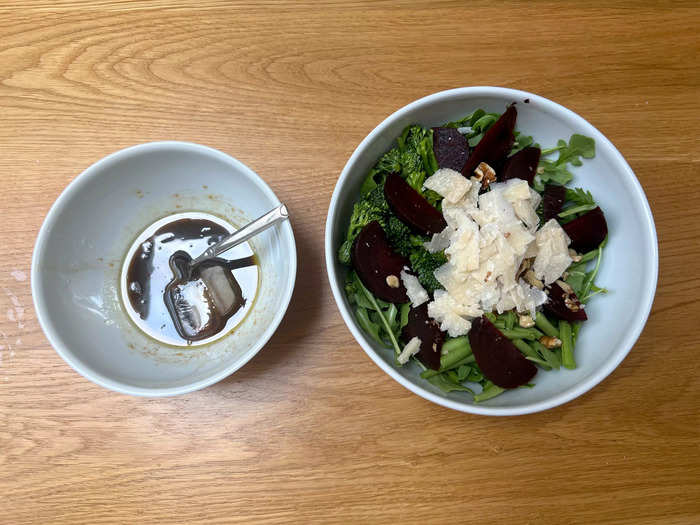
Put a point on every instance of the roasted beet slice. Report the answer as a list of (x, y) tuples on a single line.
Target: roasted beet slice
[(377, 264), (497, 357), (411, 207), (564, 304), (495, 144), (522, 165), (552, 201), (587, 231), (450, 147), (420, 325)]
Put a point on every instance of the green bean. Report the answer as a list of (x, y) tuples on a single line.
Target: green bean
[(509, 319), (545, 325), (567, 347), (457, 349), (522, 333), (530, 354), (550, 356)]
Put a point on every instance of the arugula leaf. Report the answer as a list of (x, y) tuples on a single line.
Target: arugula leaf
[(448, 384), (475, 125), (579, 196), (576, 279), (578, 146), (467, 121), (380, 314), (571, 153), (489, 391), (368, 325), (588, 283), (582, 201), (521, 142)]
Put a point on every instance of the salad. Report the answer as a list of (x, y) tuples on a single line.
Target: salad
[(471, 254)]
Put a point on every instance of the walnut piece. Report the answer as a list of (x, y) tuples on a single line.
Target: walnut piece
[(565, 286), (485, 173), (550, 342), (526, 321), (532, 279), (571, 304), (574, 256), (524, 266), (392, 281)]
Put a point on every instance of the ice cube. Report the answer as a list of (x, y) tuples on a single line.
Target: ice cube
[(192, 308), (219, 288), (200, 304)]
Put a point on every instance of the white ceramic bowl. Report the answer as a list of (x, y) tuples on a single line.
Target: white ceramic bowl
[(81, 246), (629, 268)]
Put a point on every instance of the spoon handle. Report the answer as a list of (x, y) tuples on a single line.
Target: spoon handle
[(260, 224)]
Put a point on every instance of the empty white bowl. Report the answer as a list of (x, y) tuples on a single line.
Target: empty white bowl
[(81, 247), (630, 260)]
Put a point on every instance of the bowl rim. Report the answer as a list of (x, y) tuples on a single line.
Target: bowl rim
[(576, 390), (94, 171)]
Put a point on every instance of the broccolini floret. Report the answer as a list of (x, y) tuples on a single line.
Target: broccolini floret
[(424, 264), (401, 238)]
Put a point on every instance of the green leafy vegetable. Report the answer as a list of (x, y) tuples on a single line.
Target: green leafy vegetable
[(578, 201), (588, 284), (489, 391), (447, 383), (379, 319), (521, 142), (571, 153)]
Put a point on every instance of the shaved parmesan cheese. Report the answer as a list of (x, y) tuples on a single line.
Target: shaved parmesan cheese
[(444, 309), (552, 252), (411, 349), (515, 190), (488, 236), (449, 183), (439, 241), (416, 293)]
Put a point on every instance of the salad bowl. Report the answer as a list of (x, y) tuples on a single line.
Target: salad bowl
[(628, 270)]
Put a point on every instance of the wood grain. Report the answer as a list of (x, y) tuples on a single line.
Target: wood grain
[(311, 430)]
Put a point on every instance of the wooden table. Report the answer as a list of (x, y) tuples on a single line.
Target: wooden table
[(311, 430)]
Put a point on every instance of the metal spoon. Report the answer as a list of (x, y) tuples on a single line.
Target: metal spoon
[(251, 229)]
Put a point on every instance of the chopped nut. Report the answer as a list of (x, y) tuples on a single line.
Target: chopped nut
[(486, 279), (571, 304), (550, 342), (574, 256), (565, 286), (526, 321), (485, 173), (524, 266), (540, 170), (392, 281), (506, 235), (434, 347), (531, 278)]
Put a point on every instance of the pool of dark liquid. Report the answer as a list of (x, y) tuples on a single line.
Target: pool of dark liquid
[(180, 304)]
